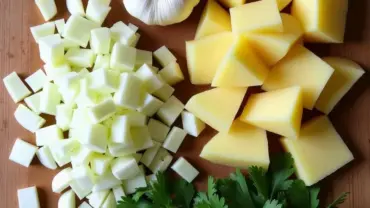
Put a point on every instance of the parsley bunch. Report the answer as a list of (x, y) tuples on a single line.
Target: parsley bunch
[(263, 189)]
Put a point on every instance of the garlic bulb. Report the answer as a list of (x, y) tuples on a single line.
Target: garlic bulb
[(160, 12)]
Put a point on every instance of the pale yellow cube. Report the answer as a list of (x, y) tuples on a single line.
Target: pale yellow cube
[(15, 87), (172, 73)]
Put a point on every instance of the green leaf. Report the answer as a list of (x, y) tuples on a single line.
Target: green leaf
[(141, 192), (314, 193), (272, 204), (211, 198), (160, 193), (340, 200), (184, 193), (281, 161), (242, 196), (259, 178), (279, 180), (298, 195)]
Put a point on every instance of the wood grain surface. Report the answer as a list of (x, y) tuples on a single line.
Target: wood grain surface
[(19, 52)]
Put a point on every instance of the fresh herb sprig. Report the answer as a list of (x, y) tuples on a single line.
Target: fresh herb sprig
[(274, 188)]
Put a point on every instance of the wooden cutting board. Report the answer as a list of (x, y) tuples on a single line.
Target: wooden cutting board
[(19, 52)]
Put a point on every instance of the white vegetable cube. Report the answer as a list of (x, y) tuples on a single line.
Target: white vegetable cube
[(106, 181), (80, 118), (110, 201), (145, 72), (123, 58), (45, 157), (191, 124), (104, 80), (49, 99), (83, 58), (129, 91), (124, 168), (136, 118), (185, 169), (165, 92), (47, 8), (82, 156), (120, 131), (100, 163), (143, 57), (164, 56), (131, 185), (61, 180), (71, 80), (80, 191), (118, 193), (137, 157), (174, 139), (152, 81), (102, 111), (141, 137), (75, 7), (102, 61), (96, 199), (158, 130), (63, 116), (48, 135), (67, 200), (62, 150), (33, 102), (22, 152), (170, 110), (83, 176), (119, 150), (161, 161), (84, 205), (97, 11), (133, 27), (100, 40), (52, 49), (86, 97), (122, 33), (172, 73), (15, 87), (135, 40), (59, 24), (150, 105), (150, 153), (54, 72), (78, 29), (28, 119), (28, 198), (69, 43), (95, 137), (37, 80), (42, 30)]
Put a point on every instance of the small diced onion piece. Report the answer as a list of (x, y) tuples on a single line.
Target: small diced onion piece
[(185, 169), (54, 72), (83, 58), (15, 87), (165, 92), (61, 180), (96, 199), (158, 131), (150, 153), (171, 73), (100, 40), (174, 139), (28, 198), (84, 205), (33, 102), (22, 153), (67, 200), (120, 131), (164, 56), (47, 8), (49, 99), (150, 105), (78, 29), (83, 176), (123, 58), (97, 11), (191, 124), (118, 193), (131, 185), (141, 137), (63, 116), (102, 61), (95, 137), (161, 161), (143, 57), (37, 80), (48, 135), (75, 7), (59, 24), (42, 30), (28, 119), (124, 168), (52, 49), (123, 34), (128, 92), (102, 111), (170, 110), (100, 163), (105, 182), (104, 80)]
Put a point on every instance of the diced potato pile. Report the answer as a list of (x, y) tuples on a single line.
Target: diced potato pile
[(254, 44), (102, 96)]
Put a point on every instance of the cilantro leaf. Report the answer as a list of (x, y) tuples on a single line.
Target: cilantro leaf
[(184, 193), (160, 192), (242, 195), (281, 161), (340, 200), (272, 204), (127, 202), (259, 178), (314, 193), (298, 195), (141, 192), (212, 199), (280, 170)]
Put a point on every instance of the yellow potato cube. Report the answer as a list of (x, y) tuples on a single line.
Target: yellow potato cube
[(217, 107), (283, 3), (214, 20), (205, 55), (274, 46), (258, 16), (278, 111), (242, 147), (232, 3), (300, 67), (318, 152), (323, 21), (241, 67), (346, 73)]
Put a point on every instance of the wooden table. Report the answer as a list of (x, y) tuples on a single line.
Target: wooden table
[(19, 52)]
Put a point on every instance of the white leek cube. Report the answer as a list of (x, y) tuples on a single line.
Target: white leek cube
[(102, 61), (86, 97), (145, 72), (135, 40), (174, 139), (124, 168), (84, 205), (75, 7), (28, 198), (42, 30), (95, 137), (62, 150), (15, 87), (136, 118), (102, 111), (158, 131), (161, 161), (96, 199), (69, 96), (131, 185), (150, 105), (119, 150), (137, 156), (78, 29), (52, 49), (28, 119), (33, 102), (122, 33), (82, 156), (141, 137), (129, 91), (53, 72), (185, 169), (100, 163), (165, 92), (118, 193), (69, 43), (152, 82), (67, 200), (143, 57), (48, 135), (172, 73), (61, 180), (100, 40), (80, 191), (104, 80), (191, 124), (133, 27), (47, 8), (80, 118), (105, 182), (110, 201), (120, 131), (59, 24), (22, 152), (150, 153), (83, 176), (83, 58), (63, 116), (49, 99), (71, 80), (97, 11), (164, 56), (170, 110), (123, 58), (37, 80)]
